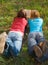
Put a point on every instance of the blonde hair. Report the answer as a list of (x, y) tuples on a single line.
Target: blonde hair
[(35, 14)]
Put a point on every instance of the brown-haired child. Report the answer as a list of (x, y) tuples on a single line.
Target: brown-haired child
[(15, 35)]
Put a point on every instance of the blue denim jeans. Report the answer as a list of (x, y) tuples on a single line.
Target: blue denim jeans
[(14, 43), (34, 38)]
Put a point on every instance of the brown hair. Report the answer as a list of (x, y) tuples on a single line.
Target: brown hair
[(35, 14), (21, 14)]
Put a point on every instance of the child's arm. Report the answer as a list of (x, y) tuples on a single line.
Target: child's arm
[(27, 29)]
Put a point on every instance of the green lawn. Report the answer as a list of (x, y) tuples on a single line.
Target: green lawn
[(8, 10)]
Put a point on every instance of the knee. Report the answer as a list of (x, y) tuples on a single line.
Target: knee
[(14, 51)]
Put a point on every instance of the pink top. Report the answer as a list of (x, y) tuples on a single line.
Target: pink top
[(19, 25)]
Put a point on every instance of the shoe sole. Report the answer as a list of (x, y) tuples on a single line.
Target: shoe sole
[(38, 51), (43, 46)]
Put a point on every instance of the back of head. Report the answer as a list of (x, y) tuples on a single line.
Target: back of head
[(21, 14), (35, 14)]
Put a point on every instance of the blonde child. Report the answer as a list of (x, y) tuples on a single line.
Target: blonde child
[(35, 37)]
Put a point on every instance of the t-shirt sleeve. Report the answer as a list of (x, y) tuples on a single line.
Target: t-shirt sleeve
[(41, 21)]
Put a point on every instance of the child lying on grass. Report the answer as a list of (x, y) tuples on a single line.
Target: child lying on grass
[(13, 43), (36, 40)]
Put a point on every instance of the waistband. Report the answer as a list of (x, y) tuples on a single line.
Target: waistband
[(18, 32)]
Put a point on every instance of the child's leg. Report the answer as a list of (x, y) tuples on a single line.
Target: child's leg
[(41, 42), (37, 51), (43, 46), (17, 47), (15, 43), (6, 50), (32, 44)]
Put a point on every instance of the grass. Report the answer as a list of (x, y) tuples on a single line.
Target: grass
[(8, 10), (22, 59)]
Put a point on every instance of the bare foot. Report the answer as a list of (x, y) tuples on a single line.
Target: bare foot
[(2, 41)]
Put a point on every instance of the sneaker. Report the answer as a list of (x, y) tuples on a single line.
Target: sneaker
[(2, 41), (43, 46), (38, 51)]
